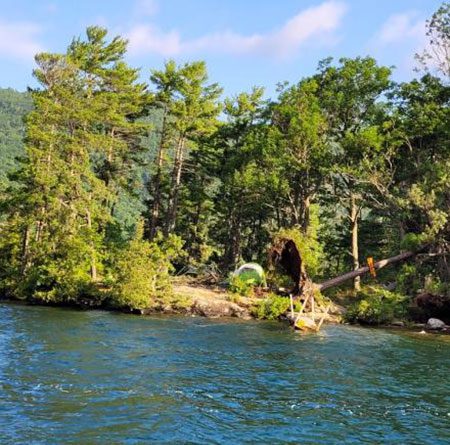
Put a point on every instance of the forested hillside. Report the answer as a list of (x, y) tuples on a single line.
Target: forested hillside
[(125, 181), (13, 107)]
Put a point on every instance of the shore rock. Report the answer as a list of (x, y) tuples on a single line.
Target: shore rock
[(218, 308), (435, 324)]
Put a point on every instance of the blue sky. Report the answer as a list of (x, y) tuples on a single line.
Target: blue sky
[(244, 42)]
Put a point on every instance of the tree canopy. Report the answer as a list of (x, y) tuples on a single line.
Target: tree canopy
[(112, 183)]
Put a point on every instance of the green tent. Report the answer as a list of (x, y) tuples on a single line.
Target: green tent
[(251, 272)]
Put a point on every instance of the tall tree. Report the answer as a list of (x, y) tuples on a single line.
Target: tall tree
[(349, 94), (436, 56), (81, 124), (422, 166), (306, 155), (166, 84), (195, 116)]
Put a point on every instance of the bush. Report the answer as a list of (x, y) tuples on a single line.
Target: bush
[(408, 279), (413, 241), (241, 287), (141, 272), (60, 278), (376, 306), (271, 307)]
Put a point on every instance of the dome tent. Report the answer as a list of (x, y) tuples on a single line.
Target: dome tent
[(251, 272)]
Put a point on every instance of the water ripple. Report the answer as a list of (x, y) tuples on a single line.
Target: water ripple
[(94, 377)]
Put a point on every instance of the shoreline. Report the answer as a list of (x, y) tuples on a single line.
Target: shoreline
[(214, 302)]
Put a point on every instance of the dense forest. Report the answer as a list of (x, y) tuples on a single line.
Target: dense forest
[(110, 184), (13, 108)]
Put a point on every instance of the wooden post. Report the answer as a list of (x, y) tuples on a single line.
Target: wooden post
[(292, 305), (300, 312), (323, 318), (313, 308)]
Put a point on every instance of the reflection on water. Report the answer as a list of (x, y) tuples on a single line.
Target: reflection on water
[(96, 377)]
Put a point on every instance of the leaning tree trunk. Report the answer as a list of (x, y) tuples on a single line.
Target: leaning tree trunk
[(363, 270), (286, 253)]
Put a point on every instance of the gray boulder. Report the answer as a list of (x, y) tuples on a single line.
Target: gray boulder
[(435, 324)]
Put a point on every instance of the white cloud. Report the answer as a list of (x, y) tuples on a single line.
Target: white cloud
[(401, 27), (399, 38), (148, 39), (317, 23), (19, 40), (146, 7)]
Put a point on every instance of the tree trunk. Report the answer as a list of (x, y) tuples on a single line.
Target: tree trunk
[(362, 270), (306, 219), (25, 250), (93, 259), (175, 187), (354, 211), (154, 216), (233, 246)]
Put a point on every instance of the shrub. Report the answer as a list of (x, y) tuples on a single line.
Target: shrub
[(242, 285), (408, 279), (413, 241), (376, 305), (141, 272), (271, 307)]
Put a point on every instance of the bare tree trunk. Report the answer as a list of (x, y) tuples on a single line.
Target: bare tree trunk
[(233, 248), (362, 270), (93, 259), (354, 211), (175, 187), (25, 250), (306, 218)]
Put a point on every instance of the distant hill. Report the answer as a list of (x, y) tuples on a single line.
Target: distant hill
[(14, 105)]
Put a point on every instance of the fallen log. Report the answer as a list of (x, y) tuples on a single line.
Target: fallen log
[(287, 254), (362, 270)]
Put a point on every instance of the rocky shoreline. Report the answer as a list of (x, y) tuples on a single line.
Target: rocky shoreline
[(215, 302)]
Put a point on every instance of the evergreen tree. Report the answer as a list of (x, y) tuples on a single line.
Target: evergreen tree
[(349, 94)]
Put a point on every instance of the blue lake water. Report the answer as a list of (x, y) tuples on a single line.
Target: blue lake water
[(72, 377)]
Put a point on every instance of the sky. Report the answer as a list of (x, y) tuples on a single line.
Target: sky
[(245, 43)]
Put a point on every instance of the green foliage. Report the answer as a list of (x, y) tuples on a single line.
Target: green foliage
[(413, 241), (14, 106), (141, 271), (408, 280), (271, 307), (435, 57), (376, 306), (433, 285), (243, 285), (102, 151)]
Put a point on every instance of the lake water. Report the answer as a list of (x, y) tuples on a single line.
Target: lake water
[(69, 377)]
